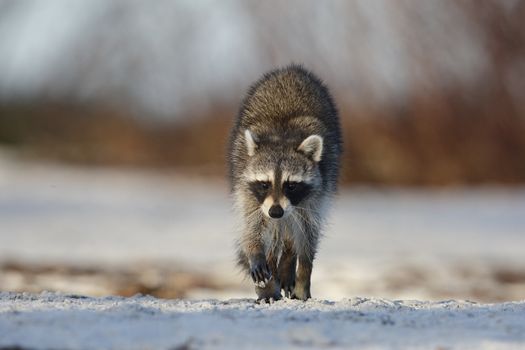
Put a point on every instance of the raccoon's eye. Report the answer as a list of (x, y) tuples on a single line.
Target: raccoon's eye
[(296, 191), (263, 185), (260, 189), (291, 186)]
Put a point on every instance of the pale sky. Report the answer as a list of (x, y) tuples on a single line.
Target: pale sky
[(167, 58)]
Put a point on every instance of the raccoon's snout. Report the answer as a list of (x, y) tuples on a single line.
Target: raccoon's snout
[(276, 211)]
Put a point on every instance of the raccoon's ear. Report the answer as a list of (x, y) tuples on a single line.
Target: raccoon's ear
[(251, 145), (312, 147)]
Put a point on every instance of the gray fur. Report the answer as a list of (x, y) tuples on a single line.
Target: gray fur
[(282, 110)]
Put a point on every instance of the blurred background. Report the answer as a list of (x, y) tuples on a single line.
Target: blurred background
[(114, 118)]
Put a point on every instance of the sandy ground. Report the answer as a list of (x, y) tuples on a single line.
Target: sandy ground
[(100, 232), (103, 231), (51, 321)]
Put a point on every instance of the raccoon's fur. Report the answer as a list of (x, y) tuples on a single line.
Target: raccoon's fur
[(284, 156)]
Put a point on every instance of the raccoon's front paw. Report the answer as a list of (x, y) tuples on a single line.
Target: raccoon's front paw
[(270, 292), (260, 272), (301, 292)]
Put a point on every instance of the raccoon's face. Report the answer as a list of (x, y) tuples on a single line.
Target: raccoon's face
[(282, 179)]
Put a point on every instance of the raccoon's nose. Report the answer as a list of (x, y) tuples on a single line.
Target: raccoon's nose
[(276, 211)]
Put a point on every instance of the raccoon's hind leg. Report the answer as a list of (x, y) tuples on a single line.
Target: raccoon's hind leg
[(286, 269), (302, 281)]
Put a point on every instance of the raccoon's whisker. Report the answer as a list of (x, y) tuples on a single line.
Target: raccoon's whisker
[(307, 210), (276, 241), (307, 233), (310, 218), (304, 208), (250, 215), (305, 241), (301, 215), (299, 226)]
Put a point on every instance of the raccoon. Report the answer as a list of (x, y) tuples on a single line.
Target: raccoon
[(284, 154)]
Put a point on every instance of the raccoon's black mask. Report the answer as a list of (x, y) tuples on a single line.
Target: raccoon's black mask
[(294, 191)]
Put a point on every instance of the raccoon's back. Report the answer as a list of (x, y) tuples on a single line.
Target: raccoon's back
[(293, 102), (287, 93)]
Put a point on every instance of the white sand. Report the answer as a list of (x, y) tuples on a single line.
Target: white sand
[(394, 244), (51, 321)]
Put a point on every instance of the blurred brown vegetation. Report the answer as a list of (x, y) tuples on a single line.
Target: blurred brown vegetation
[(103, 136), (432, 139), (438, 134)]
